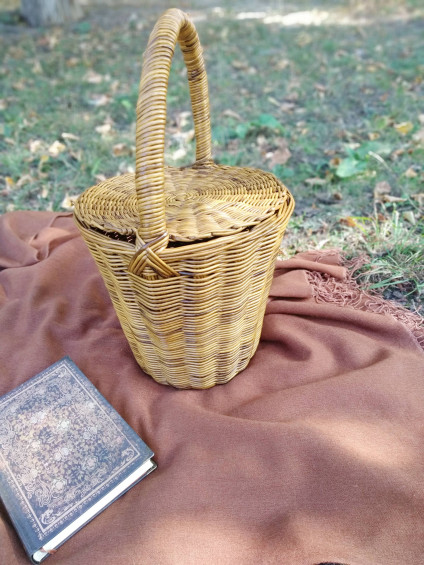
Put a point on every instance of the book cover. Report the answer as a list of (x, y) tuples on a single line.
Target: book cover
[(65, 455)]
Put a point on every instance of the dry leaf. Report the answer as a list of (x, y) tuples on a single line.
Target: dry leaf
[(381, 188), (99, 100), (281, 155), (3, 104), (292, 96), (68, 202), (408, 215), (104, 129), (24, 180), (419, 137), (338, 196), (100, 178), (419, 198), (56, 148), (404, 128), (410, 173), (35, 145), (70, 136), (231, 114), (397, 153), (315, 181), (373, 135), (179, 154), (37, 68), (19, 85), (320, 87), (72, 62), (44, 192), (349, 221), (92, 77), (121, 149), (9, 182), (240, 65), (391, 199), (282, 64), (421, 119)]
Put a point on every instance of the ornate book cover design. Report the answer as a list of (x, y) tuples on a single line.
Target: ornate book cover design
[(64, 453)]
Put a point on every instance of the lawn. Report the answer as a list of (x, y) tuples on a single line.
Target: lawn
[(327, 95)]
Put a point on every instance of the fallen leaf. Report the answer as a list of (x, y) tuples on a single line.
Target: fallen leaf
[(421, 119), (381, 188), (104, 129), (3, 104), (231, 114), (179, 154), (281, 155), (37, 68), (99, 100), (240, 65), (19, 85), (121, 149), (35, 145), (349, 221), (282, 64), (338, 196), (408, 215), (92, 77), (9, 182), (335, 162), (404, 128), (391, 199), (100, 178), (320, 87), (373, 135), (70, 136), (72, 62), (410, 173), (315, 181), (419, 137), (68, 202), (24, 180), (56, 148), (44, 192), (397, 153), (419, 198)]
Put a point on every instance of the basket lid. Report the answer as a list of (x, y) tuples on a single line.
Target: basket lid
[(201, 202)]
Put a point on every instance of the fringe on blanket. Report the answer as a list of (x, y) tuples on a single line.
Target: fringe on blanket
[(348, 293)]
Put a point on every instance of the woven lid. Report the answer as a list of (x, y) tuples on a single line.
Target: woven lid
[(200, 202)]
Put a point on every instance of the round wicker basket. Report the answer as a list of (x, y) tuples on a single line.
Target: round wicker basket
[(187, 254)]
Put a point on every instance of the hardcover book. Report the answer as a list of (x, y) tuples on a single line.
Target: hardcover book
[(65, 455)]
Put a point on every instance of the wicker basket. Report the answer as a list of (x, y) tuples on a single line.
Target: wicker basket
[(187, 254)]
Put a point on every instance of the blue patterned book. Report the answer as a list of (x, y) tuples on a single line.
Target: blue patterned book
[(65, 455)]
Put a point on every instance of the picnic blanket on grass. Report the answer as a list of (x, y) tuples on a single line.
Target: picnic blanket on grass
[(314, 453)]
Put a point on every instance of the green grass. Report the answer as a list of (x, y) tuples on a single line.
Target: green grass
[(346, 100)]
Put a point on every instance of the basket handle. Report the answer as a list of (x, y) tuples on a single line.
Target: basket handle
[(174, 25)]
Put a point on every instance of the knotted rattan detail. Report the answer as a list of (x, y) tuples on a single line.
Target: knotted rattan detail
[(187, 254)]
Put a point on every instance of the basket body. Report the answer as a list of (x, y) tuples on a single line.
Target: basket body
[(191, 295)]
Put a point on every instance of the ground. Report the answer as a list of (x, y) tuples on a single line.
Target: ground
[(327, 95)]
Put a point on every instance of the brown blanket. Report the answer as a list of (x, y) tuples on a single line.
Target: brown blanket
[(315, 453)]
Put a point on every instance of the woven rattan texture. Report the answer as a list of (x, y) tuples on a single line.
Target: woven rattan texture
[(187, 254)]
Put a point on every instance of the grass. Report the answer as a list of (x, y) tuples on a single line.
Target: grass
[(334, 110)]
